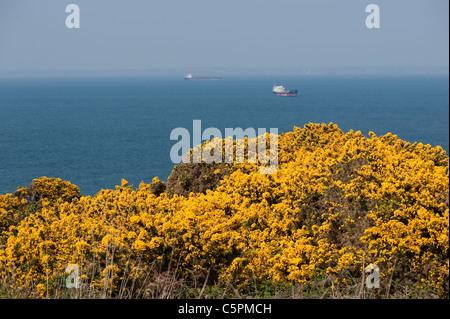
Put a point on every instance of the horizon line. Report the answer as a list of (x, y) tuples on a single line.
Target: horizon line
[(231, 71)]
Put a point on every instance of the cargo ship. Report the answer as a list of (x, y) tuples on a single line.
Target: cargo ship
[(280, 90), (189, 77)]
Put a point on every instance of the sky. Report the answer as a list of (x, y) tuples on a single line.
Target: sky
[(146, 34)]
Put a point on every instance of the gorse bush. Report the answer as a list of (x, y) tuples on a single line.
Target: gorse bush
[(337, 203)]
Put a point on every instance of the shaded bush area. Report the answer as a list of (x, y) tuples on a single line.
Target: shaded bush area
[(189, 178)]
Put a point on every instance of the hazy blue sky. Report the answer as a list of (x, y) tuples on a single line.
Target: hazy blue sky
[(141, 34)]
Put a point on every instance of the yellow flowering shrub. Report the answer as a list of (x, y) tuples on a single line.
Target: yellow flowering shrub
[(52, 189), (337, 203)]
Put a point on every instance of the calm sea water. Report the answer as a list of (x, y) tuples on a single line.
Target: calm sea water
[(95, 131)]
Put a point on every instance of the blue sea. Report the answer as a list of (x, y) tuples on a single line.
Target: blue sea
[(95, 131)]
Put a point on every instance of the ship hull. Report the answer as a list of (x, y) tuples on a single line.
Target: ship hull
[(203, 79), (292, 93)]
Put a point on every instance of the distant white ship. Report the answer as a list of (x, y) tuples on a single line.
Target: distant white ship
[(189, 77)]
